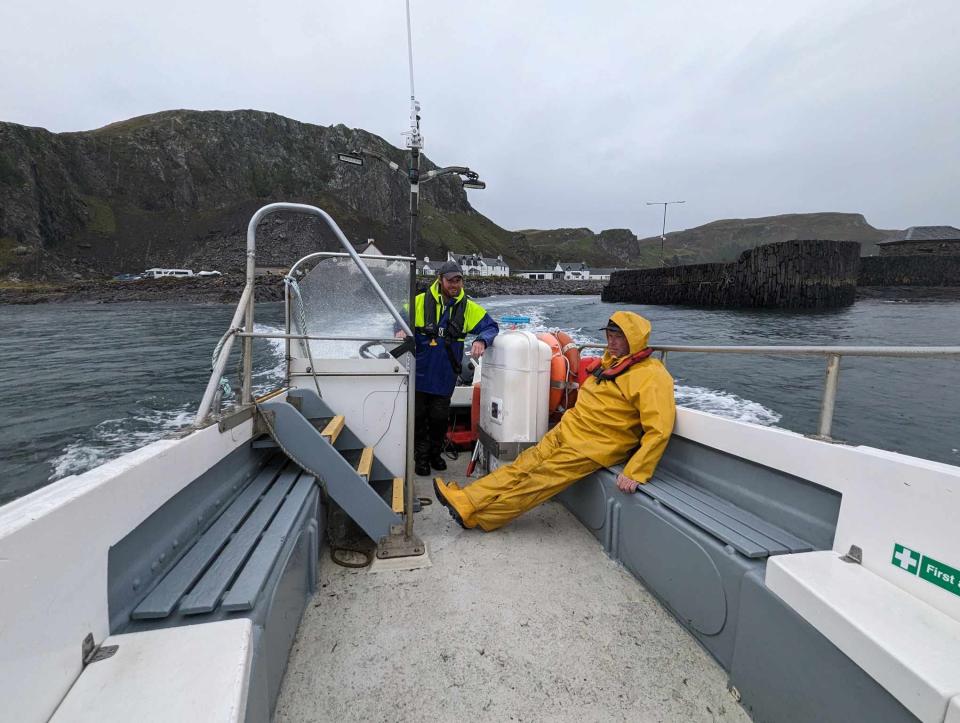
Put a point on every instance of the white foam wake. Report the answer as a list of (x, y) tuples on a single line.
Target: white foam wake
[(725, 404), (114, 437)]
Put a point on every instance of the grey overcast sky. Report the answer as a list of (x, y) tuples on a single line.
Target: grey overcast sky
[(575, 113)]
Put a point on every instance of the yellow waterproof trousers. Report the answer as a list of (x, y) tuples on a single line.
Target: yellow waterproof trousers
[(538, 474)]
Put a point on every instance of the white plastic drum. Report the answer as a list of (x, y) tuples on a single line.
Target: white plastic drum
[(515, 388)]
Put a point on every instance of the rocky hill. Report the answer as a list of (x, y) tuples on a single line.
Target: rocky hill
[(716, 241), (177, 189)]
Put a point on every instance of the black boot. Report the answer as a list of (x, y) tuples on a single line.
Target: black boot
[(421, 468), (438, 463)]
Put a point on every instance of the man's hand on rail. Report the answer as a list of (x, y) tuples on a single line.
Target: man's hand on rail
[(626, 484), (476, 351), (400, 334)]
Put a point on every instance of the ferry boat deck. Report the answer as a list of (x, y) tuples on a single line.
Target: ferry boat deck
[(532, 622)]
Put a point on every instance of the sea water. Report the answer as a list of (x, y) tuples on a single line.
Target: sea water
[(84, 383)]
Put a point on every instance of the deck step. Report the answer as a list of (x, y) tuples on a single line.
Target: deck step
[(265, 443), (366, 463), (333, 429), (398, 495)]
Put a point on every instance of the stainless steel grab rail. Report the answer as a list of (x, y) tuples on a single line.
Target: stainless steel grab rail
[(246, 306), (832, 354)]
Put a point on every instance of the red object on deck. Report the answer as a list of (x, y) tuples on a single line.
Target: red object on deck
[(460, 433)]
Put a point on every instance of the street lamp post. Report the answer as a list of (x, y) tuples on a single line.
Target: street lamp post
[(663, 231)]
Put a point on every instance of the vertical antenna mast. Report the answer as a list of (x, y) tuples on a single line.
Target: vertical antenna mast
[(414, 139)]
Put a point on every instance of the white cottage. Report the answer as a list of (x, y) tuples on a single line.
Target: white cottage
[(479, 265)]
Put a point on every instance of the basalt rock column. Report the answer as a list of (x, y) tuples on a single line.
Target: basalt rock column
[(787, 275)]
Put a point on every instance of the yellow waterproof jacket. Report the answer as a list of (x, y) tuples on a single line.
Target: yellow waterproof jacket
[(611, 417)]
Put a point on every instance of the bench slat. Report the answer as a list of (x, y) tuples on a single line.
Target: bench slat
[(741, 544), (162, 600), (204, 596), (243, 594), (734, 522), (792, 542)]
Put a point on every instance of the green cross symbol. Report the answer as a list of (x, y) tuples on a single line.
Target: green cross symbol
[(905, 558)]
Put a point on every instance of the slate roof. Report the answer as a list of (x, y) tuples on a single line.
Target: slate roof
[(927, 233)]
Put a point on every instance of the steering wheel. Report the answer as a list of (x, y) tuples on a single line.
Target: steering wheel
[(365, 352)]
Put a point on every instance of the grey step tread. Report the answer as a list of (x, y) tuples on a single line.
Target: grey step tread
[(305, 445), (162, 600), (246, 588), (205, 595), (750, 520)]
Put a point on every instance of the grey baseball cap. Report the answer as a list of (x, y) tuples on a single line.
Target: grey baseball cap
[(449, 269)]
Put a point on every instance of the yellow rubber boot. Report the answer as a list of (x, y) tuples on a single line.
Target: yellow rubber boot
[(452, 497)]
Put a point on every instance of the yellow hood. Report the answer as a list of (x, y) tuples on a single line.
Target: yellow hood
[(635, 328)]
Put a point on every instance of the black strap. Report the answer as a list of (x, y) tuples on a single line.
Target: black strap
[(403, 347), (453, 329)]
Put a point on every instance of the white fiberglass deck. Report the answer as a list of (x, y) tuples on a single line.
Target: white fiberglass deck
[(532, 622)]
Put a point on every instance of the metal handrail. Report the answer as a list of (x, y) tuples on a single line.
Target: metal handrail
[(246, 306), (889, 351), (832, 354), (221, 361)]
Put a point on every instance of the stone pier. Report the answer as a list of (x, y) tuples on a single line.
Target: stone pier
[(789, 275)]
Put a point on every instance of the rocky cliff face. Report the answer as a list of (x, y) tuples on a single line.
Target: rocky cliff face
[(177, 189)]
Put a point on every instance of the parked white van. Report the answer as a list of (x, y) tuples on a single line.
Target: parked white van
[(157, 273)]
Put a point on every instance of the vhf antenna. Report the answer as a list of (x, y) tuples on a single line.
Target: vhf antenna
[(414, 139)]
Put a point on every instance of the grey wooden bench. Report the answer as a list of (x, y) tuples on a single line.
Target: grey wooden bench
[(746, 533), (228, 565)]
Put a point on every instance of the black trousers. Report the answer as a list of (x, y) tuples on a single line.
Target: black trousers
[(431, 414)]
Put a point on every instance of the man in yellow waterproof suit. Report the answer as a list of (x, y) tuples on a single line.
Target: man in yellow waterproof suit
[(627, 401)]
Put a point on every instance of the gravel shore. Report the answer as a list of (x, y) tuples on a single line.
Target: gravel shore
[(226, 290)]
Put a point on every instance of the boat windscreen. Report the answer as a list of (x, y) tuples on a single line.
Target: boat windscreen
[(339, 301)]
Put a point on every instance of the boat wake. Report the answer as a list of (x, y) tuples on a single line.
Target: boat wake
[(724, 404), (114, 437)]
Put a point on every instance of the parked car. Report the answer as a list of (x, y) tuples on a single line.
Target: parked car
[(127, 277), (209, 273), (160, 273)]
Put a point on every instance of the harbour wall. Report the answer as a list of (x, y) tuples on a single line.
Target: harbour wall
[(804, 274), (909, 271)]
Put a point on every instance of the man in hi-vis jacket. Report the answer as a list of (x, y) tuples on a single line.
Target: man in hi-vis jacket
[(443, 317), (627, 401)]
